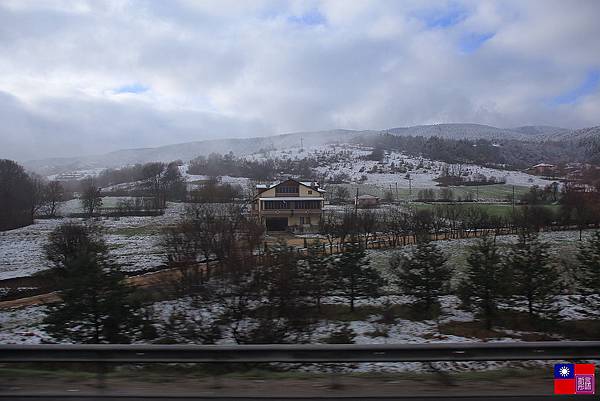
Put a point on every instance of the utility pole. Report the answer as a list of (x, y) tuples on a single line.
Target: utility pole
[(513, 199), (356, 203), (397, 199), (301, 144), (408, 177)]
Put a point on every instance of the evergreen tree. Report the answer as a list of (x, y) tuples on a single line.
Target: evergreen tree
[(316, 275), (97, 306), (589, 277), (278, 284), (265, 331), (423, 273), (354, 276), (182, 327), (485, 282), (533, 277)]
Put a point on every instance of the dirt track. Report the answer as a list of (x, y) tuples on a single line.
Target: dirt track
[(145, 280)]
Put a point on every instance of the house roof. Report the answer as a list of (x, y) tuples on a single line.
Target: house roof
[(309, 184), (543, 165)]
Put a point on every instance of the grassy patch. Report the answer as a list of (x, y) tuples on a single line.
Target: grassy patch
[(164, 372), (499, 192), (49, 373), (534, 329), (342, 313), (136, 231), (387, 313), (494, 209), (580, 329), (467, 329)]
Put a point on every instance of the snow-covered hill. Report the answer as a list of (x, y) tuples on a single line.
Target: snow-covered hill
[(190, 150), (479, 131), (245, 146), (583, 133)]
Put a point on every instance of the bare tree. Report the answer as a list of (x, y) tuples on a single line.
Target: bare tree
[(340, 195), (164, 181), (368, 222), (53, 197), (91, 199), (153, 177), (38, 193)]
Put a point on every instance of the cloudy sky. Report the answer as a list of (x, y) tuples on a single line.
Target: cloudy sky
[(81, 77)]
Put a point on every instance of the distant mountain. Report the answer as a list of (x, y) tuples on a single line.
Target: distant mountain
[(480, 131), (241, 146), (457, 131), (542, 131), (582, 134), (190, 150)]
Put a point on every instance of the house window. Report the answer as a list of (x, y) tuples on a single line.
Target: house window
[(286, 190), (277, 205), (301, 220), (309, 192), (308, 204)]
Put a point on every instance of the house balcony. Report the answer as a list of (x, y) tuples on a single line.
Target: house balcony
[(290, 212)]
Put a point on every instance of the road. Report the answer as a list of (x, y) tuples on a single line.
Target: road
[(95, 397), (175, 385)]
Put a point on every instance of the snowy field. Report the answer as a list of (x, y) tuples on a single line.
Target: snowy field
[(134, 242)]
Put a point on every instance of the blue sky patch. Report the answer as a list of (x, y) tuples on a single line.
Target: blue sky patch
[(310, 18), (443, 18), (132, 88), (473, 41), (589, 85)]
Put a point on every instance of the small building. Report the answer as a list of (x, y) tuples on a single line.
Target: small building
[(289, 205), (543, 169), (366, 201)]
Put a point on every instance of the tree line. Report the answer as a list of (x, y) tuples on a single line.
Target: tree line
[(399, 225), (24, 196), (511, 153), (216, 164)]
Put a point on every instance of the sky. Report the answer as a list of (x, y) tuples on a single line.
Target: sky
[(87, 77)]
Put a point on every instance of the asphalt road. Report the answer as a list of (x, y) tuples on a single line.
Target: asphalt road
[(96, 397)]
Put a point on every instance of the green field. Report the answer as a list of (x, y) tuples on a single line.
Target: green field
[(494, 209), (497, 192)]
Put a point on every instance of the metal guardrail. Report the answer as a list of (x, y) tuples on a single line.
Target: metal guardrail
[(459, 352)]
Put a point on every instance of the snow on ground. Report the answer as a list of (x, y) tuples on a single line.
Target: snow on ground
[(133, 241), (183, 169), (23, 326), (22, 250), (350, 163), (77, 174)]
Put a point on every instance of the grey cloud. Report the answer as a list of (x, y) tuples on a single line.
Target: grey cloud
[(231, 69)]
